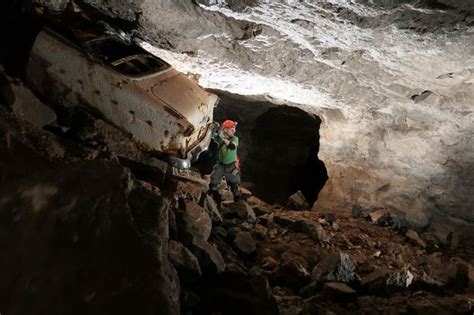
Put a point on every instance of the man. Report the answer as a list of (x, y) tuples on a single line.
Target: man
[(226, 165)]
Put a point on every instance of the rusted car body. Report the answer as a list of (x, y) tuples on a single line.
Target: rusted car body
[(166, 112)]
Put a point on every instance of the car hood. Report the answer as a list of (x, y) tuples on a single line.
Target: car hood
[(185, 97)]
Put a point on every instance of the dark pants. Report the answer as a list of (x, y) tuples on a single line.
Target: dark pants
[(232, 176)]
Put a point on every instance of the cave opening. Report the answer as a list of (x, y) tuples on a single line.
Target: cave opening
[(279, 147)]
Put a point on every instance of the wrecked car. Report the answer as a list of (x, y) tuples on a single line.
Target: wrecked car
[(165, 112)]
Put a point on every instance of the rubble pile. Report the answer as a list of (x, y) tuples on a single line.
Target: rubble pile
[(92, 225)]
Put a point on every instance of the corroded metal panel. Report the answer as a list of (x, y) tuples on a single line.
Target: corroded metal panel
[(164, 111)]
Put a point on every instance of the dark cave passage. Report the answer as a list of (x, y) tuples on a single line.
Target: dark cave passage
[(279, 148)]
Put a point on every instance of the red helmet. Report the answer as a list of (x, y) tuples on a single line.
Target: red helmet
[(229, 124)]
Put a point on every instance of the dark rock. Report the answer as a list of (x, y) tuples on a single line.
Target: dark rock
[(185, 188), (337, 267), (245, 193), (427, 283), (220, 233), (313, 229), (147, 168), (357, 212), (374, 279), (193, 222), (283, 220), (260, 231), (310, 289), (268, 263), (173, 228), (292, 272), (329, 217), (378, 216), (233, 262), (211, 206), (28, 107), (236, 293), (232, 232), (456, 274), (210, 259), (339, 292), (261, 210), (397, 222), (247, 226), (386, 282), (189, 300), (245, 243), (297, 201), (320, 233), (184, 261), (103, 238), (7, 97), (243, 211), (452, 240), (415, 239), (401, 278), (422, 307)]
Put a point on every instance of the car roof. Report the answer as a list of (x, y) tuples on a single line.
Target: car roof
[(110, 49)]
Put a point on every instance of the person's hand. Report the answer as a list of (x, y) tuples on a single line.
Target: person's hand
[(226, 141), (398, 223)]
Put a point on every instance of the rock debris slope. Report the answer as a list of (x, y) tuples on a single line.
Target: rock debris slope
[(92, 225)]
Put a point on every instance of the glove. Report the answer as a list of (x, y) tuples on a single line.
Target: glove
[(398, 223)]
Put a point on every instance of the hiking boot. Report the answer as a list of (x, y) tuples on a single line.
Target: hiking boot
[(217, 197)]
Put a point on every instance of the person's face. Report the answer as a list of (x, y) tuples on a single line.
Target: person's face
[(229, 131)]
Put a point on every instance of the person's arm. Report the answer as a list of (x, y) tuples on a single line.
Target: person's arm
[(232, 144)]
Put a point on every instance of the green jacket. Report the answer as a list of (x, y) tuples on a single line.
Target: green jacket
[(227, 154)]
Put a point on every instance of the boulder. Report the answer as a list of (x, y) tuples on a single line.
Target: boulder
[(292, 272), (7, 97), (297, 201), (337, 267), (415, 239), (54, 5), (245, 193), (193, 222), (329, 217), (245, 243), (101, 235), (310, 289), (339, 292), (314, 230), (209, 203), (184, 261), (260, 231), (421, 307), (28, 107), (210, 259), (400, 279), (357, 211), (456, 274), (283, 220), (262, 210), (233, 292), (386, 282), (242, 210), (378, 216), (269, 263)]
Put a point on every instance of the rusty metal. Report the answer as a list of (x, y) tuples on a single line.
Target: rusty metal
[(164, 111)]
